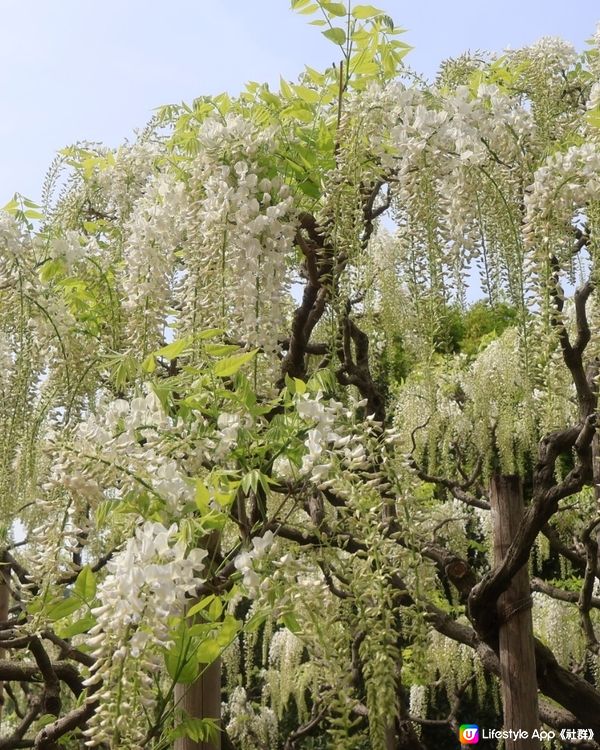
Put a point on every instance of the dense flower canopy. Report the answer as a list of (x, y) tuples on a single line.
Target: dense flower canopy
[(236, 420)]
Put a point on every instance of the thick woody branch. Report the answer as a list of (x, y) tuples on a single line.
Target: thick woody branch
[(554, 592), (370, 213), (316, 348), (52, 702), (353, 353), (50, 734), (98, 565), (318, 260), (557, 545), (12, 671), (67, 651), (576, 695), (457, 489), (15, 740), (546, 496), (585, 598), (306, 729), (455, 704), (573, 353), (345, 542)]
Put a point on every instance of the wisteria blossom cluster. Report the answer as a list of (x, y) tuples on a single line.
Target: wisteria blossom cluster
[(246, 561), (119, 446), (240, 228), (146, 586), (11, 239), (231, 385), (560, 192), (329, 440), (251, 726), (153, 233)]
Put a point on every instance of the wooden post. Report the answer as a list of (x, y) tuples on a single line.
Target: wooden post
[(202, 700), (517, 650)]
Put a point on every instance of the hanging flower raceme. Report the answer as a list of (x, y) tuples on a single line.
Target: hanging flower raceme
[(240, 231), (152, 234), (118, 450), (146, 586), (246, 561)]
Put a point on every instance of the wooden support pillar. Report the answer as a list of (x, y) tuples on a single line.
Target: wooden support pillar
[(202, 700), (517, 650)]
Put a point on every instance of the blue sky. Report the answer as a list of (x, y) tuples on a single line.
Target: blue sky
[(77, 69)]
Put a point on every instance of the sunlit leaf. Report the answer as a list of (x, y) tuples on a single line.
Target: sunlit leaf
[(336, 35), (230, 365)]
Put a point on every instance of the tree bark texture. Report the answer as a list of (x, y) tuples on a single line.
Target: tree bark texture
[(516, 643), (4, 606)]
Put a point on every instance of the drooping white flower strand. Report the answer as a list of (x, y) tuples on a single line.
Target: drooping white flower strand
[(152, 234), (241, 228), (245, 561), (119, 449), (146, 586)]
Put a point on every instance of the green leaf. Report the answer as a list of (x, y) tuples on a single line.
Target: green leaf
[(198, 730), (45, 719), (250, 480), (366, 67), (291, 623), (202, 497), (214, 520), (229, 627), (85, 585), (51, 268), (174, 349), (149, 364), (310, 188), (314, 75), (79, 626), (365, 11), (210, 333), (215, 609), (225, 499), (309, 9), (12, 206), (307, 95), (336, 35), (185, 673), (208, 651), (218, 350), (304, 115), (63, 608), (179, 659), (230, 365), (285, 87), (593, 117), (199, 606), (102, 512), (255, 622), (336, 9), (300, 386)]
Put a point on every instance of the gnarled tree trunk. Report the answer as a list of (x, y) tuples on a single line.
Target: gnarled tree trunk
[(516, 644), (4, 606)]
